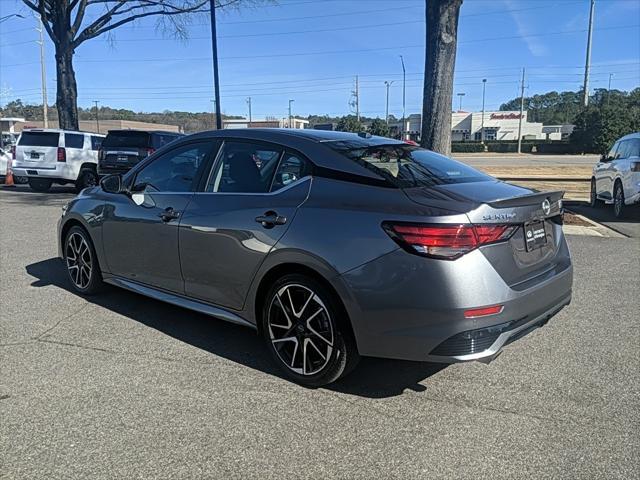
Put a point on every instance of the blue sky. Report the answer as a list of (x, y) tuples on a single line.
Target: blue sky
[(310, 51)]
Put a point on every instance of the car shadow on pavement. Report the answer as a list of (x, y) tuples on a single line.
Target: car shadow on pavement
[(372, 378)]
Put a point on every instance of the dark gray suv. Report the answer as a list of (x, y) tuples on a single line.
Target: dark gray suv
[(331, 245)]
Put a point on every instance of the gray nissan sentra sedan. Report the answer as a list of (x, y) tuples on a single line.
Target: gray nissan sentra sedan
[(330, 245)]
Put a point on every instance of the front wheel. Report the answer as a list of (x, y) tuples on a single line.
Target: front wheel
[(39, 184), (618, 201), (87, 178), (304, 328), (81, 262)]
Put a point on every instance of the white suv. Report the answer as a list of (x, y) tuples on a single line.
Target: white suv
[(616, 177), (57, 156)]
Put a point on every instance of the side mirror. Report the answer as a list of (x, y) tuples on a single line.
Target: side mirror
[(112, 184)]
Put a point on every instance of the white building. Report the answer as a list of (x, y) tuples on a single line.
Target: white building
[(500, 125), (298, 123)]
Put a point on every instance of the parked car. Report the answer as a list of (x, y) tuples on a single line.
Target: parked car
[(123, 149), (5, 159), (335, 246), (48, 156), (616, 177)]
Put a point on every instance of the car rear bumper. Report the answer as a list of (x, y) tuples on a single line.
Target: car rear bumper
[(407, 307), (60, 171)]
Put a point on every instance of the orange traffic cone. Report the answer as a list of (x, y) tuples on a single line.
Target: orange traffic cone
[(8, 179)]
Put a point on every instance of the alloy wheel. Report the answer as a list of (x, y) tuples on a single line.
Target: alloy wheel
[(618, 201), (300, 329), (79, 261)]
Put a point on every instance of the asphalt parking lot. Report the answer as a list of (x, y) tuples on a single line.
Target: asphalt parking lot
[(122, 386)]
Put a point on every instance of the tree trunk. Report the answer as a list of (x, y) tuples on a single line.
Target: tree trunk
[(440, 58), (67, 91)]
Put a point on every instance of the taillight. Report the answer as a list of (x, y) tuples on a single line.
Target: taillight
[(13, 152), (62, 154), (150, 151), (446, 241), (635, 166)]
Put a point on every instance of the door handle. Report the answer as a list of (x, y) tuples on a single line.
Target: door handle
[(169, 214), (271, 219)]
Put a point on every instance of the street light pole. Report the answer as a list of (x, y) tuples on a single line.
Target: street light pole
[(587, 65), (386, 116), (460, 95), (249, 103), (521, 114), (43, 73), (609, 89), (214, 48), (97, 119), (484, 86), (404, 96), (290, 117)]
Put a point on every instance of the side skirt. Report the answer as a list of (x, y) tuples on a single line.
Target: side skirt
[(178, 300)]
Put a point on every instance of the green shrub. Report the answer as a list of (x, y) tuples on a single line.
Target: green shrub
[(467, 147)]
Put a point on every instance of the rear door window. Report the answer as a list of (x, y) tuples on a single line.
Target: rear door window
[(73, 140), (244, 167), (39, 139), (132, 139), (96, 142), (292, 168)]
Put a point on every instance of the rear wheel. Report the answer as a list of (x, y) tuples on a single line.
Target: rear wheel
[(39, 184), (593, 198), (303, 326), (81, 262), (87, 178), (618, 200)]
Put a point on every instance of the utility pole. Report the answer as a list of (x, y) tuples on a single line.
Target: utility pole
[(43, 74), (386, 116), (290, 117), (460, 95), (355, 94), (484, 86), (609, 89), (214, 48), (587, 65), (521, 114), (404, 96), (97, 119), (249, 103)]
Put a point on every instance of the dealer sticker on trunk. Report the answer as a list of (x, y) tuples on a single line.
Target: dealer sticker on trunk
[(535, 235)]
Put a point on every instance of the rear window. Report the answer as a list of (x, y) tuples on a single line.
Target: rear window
[(131, 139), (406, 166), (39, 139)]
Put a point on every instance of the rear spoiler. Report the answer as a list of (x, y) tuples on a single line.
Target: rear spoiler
[(527, 200)]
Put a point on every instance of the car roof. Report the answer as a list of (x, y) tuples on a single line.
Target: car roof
[(162, 132), (57, 130), (311, 143), (631, 135)]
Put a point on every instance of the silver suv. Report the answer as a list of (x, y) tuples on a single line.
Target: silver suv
[(616, 177)]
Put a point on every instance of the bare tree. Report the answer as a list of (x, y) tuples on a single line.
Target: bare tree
[(440, 58), (64, 21)]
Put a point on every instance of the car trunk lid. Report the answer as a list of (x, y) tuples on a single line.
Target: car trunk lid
[(532, 250)]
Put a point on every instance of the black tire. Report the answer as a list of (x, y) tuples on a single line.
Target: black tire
[(81, 263), (619, 208), (40, 185), (593, 197), (86, 178), (319, 322)]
